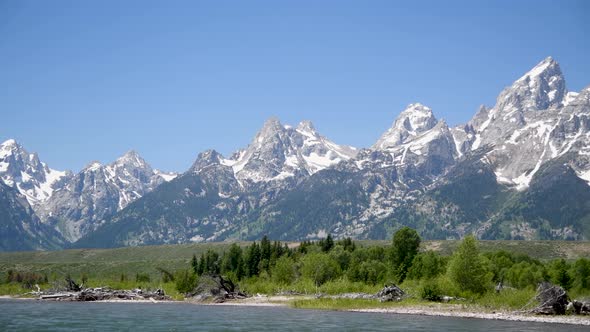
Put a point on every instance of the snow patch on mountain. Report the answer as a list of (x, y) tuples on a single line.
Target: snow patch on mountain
[(279, 152), (25, 172), (411, 122)]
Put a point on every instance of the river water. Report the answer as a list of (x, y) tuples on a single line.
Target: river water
[(31, 315)]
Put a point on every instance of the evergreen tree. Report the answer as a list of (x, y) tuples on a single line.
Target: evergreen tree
[(253, 260), (327, 244), (233, 261), (265, 253), (202, 265), (195, 264), (212, 262), (558, 270)]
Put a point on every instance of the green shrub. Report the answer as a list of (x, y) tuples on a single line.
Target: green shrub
[(142, 277), (427, 265), (319, 268), (26, 279), (431, 291), (185, 281), (284, 271)]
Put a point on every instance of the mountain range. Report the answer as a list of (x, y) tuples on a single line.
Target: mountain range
[(517, 170)]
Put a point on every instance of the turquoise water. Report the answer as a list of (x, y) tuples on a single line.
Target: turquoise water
[(25, 315)]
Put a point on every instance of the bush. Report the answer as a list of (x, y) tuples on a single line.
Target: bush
[(580, 272), (319, 268), (142, 277), (284, 270), (427, 265), (431, 291), (186, 281), (26, 279), (369, 272)]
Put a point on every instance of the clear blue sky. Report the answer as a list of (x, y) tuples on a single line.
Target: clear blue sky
[(88, 80)]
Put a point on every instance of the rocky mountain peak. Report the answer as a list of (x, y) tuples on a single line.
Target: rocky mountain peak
[(412, 121), (25, 172), (92, 166), (306, 127), (278, 152), (271, 126), (133, 158), (206, 159), (9, 142), (541, 88)]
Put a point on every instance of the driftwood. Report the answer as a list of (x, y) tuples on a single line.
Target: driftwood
[(553, 300), (72, 285), (578, 308), (390, 293), (105, 293), (387, 294), (216, 288)]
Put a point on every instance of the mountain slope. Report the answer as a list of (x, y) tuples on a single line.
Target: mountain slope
[(98, 192), (20, 229)]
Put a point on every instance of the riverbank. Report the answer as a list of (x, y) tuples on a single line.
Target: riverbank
[(432, 309)]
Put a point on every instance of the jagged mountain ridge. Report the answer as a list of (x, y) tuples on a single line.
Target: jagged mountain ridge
[(74, 204), (278, 152), (98, 192), (418, 165), (293, 183), (25, 172), (534, 120)]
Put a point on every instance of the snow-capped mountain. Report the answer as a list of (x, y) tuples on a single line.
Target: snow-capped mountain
[(534, 120), (413, 121), (279, 152), (417, 137), (517, 170), (99, 191), (26, 173), (496, 176)]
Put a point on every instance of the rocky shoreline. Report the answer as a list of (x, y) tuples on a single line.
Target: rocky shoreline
[(462, 313)]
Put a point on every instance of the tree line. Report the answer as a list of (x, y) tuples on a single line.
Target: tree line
[(467, 272)]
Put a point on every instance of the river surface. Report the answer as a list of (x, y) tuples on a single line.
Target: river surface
[(32, 315)]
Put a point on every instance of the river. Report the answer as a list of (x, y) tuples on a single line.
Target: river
[(32, 315)]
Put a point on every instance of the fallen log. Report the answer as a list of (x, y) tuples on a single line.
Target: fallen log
[(103, 294), (553, 300)]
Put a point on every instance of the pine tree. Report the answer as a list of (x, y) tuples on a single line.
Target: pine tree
[(195, 264), (252, 260)]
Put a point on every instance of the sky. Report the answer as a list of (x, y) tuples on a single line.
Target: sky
[(88, 80)]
